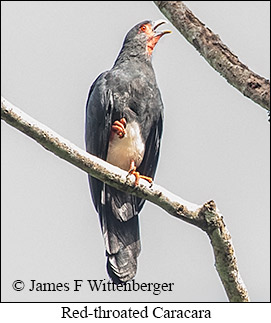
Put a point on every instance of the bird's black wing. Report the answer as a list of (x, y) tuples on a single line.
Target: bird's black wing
[(97, 129), (152, 148)]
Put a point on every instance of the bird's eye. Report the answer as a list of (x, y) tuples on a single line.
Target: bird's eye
[(143, 28)]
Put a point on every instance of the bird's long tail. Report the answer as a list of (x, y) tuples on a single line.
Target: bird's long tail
[(120, 227)]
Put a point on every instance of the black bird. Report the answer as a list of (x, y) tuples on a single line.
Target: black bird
[(124, 120)]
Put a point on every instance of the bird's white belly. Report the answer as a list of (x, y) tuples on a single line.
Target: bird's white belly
[(122, 151)]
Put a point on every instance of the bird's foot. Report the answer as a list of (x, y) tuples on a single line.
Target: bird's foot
[(132, 171), (118, 127)]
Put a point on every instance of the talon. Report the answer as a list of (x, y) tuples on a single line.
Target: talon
[(119, 127), (123, 121), (147, 178), (132, 171)]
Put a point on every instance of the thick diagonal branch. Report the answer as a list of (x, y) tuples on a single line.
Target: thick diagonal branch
[(217, 54), (206, 217)]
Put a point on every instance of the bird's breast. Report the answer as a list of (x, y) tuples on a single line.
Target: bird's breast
[(122, 151)]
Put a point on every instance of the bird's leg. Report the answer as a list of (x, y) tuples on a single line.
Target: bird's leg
[(132, 171), (118, 127)]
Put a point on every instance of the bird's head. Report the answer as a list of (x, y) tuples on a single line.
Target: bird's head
[(143, 37)]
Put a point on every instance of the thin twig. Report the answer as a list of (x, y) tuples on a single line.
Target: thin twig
[(206, 217), (216, 53)]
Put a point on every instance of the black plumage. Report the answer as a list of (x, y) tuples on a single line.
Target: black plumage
[(129, 90)]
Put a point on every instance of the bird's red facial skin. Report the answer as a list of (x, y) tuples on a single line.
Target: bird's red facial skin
[(152, 38), (147, 29)]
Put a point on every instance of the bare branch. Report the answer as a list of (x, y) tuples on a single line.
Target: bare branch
[(217, 54), (206, 217)]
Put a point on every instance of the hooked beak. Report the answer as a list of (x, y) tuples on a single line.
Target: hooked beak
[(158, 23), (154, 35)]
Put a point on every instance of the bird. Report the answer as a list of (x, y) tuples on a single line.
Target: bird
[(124, 123)]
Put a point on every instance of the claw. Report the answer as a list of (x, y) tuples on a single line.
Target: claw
[(132, 171), (119, 127)]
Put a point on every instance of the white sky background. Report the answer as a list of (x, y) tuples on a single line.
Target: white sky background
[(215, 146)]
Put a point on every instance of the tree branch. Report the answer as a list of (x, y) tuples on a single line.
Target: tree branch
[(217, 54), (205, 217)]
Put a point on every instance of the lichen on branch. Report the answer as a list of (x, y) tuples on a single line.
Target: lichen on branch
[(216, 53)]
